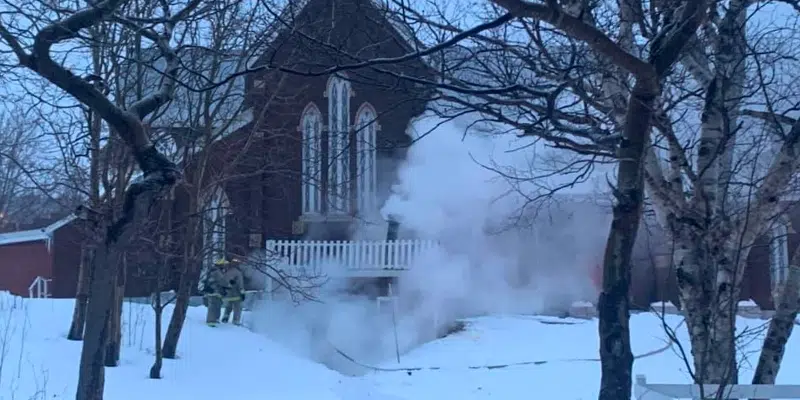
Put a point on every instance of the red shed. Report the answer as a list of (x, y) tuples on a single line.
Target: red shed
[(27, 260)]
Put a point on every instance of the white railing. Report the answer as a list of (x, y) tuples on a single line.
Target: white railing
[(651, 391), (355, 255), (39, 288)]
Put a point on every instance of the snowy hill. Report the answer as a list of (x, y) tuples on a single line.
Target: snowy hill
[(555, 358), (38, 362)]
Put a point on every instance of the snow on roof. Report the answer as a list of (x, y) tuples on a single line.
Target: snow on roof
[(33, 235)]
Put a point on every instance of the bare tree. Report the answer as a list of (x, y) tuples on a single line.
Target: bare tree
[(161, 281), (641, 102), (196, 135), (556, 71), (95, 126), (716, 207), (158, 172), (19, 169), (780, 326), (715, 191)]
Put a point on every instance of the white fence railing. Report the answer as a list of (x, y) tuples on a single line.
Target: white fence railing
[(355, 255), (660, 391), (39, 288)]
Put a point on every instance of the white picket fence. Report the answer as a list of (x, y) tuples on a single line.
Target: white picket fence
[(660, 391), (360, 257)]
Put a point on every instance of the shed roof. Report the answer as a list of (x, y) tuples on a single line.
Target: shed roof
[(33, 235)]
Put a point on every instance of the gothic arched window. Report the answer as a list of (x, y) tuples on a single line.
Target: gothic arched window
[(366, 158), (338, 193), (779, 253), (311, 127)]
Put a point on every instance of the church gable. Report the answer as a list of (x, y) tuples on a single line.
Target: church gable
[(336, 138), (311, 35)]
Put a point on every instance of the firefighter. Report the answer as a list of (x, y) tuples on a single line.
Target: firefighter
[(215, 288), (234, 298)]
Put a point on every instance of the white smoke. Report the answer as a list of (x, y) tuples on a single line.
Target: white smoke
[(501, 250)]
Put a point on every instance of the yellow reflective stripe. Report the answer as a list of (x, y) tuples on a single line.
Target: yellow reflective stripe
[(214, 295), (237, 298)]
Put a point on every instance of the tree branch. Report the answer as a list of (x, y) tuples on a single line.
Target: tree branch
[(580, 30), (668, 46), (778, 177), (696, 62), (769, 117)]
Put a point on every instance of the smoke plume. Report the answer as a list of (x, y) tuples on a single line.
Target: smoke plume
[(505, 244)]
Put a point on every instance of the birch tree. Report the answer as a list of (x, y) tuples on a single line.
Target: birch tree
[(717, 206), (555, 71), (561, 74), (575, 21), (710, 167), (569, 72)]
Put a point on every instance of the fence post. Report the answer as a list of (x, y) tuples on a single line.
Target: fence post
[(269, 288), (436, 322), (642, 392)]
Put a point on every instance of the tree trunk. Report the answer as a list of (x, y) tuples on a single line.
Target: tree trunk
[(780, 327), (114, 345), (189, 277), (158, 308), (82, 296), (614, 303), (713, 345), (103, 300), (187, 282), (91, 377), (85, 268), (710, 308)]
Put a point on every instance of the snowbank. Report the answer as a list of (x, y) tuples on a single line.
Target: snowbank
[(556, 358), (38, 362)]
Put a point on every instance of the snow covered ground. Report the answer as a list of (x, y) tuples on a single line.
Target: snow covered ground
[(233, 363)]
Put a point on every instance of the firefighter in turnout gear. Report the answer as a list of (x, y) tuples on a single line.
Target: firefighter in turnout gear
[(214, 290), (234, 278)]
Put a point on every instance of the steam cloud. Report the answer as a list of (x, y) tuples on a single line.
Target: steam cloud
[(500, 252)]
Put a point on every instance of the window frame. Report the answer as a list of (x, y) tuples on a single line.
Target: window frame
[(366, 158), (338, 190), (311, 160), (779, 254)]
